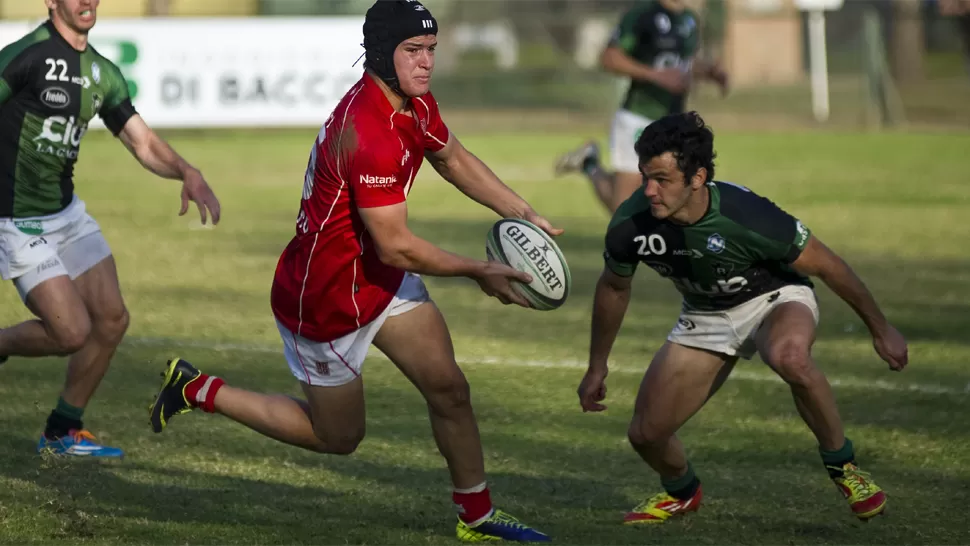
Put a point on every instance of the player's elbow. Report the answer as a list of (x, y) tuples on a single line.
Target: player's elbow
[(615, 284), (610, 59)]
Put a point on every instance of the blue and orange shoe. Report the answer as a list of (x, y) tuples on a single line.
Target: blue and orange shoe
[(499, 526), (78, 443), (661, 507), (865, 498)]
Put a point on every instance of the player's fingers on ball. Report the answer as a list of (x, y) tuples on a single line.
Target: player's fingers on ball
[(520, 300)]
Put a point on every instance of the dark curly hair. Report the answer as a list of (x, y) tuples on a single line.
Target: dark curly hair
[(686, 136)]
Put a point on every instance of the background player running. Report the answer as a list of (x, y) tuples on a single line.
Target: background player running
[(743, 267), (52, 84), (349, 276), (656, 47)]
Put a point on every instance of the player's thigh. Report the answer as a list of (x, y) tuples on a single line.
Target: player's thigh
[(419, 344), (29, 257), (337, 412), (677, 383), (88, 260), (330, 375), (624, 186), (57, 303), (101, 291), (785, 338)]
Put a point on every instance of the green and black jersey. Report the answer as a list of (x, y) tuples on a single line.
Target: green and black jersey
[(49, 91), (659, 38), (741, 248)]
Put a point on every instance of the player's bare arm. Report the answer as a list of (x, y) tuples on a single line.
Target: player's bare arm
[(610, 303), (474, 178), (617, 61), (819, 261), (399, 247), (158, 157)]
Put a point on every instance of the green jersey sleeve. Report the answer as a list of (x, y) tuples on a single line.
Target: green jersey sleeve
[(14, 69), (117, 108), (626, 36)]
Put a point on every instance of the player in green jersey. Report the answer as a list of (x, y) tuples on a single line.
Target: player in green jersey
[(52, 84), (656, 46), (743, 266)]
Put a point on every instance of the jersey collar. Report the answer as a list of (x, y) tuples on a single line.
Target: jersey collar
[(374, 95)]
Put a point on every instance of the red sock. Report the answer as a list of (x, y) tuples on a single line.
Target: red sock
[(473, 504), (201, 392)]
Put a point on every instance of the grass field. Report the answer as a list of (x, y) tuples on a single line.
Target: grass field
[(895, 205)]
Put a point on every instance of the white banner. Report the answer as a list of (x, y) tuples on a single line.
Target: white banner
[(249, 72)]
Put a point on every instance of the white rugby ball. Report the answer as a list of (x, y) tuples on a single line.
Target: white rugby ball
[(524, 246)]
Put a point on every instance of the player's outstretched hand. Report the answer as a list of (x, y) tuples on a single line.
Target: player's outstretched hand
[(891, 346), (497, 279), (533, 217), (592, 390), (197, 190)]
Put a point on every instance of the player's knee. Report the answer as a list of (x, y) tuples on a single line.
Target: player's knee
[(449, 395), (643, 434), (111, 328), (339, 442), (793, 361)]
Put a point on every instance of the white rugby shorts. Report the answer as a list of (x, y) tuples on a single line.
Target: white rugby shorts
[(338, 362), (732, 332), (624, 132), (33, 250)]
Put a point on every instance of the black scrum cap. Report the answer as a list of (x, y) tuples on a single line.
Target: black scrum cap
[(386, 25)]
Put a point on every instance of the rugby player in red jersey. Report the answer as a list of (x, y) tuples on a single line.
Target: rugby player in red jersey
[(350, 276)]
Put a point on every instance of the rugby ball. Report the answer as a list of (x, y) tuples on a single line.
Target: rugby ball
[(524, 246)]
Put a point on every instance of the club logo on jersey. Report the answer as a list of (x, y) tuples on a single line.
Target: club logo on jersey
[(60, 137), (378, 181), (721, 288), (662, 22), (716, 243), (722, 269), (96, 72), (664, 269), (55, 97), (687, 27)]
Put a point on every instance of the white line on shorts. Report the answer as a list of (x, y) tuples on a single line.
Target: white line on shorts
[(742, 375)]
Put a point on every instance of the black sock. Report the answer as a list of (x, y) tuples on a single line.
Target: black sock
[(63, 420), (835, 460), (591, 165), (684, 487)]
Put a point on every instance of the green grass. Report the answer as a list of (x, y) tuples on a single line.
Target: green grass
[(895, 205)]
